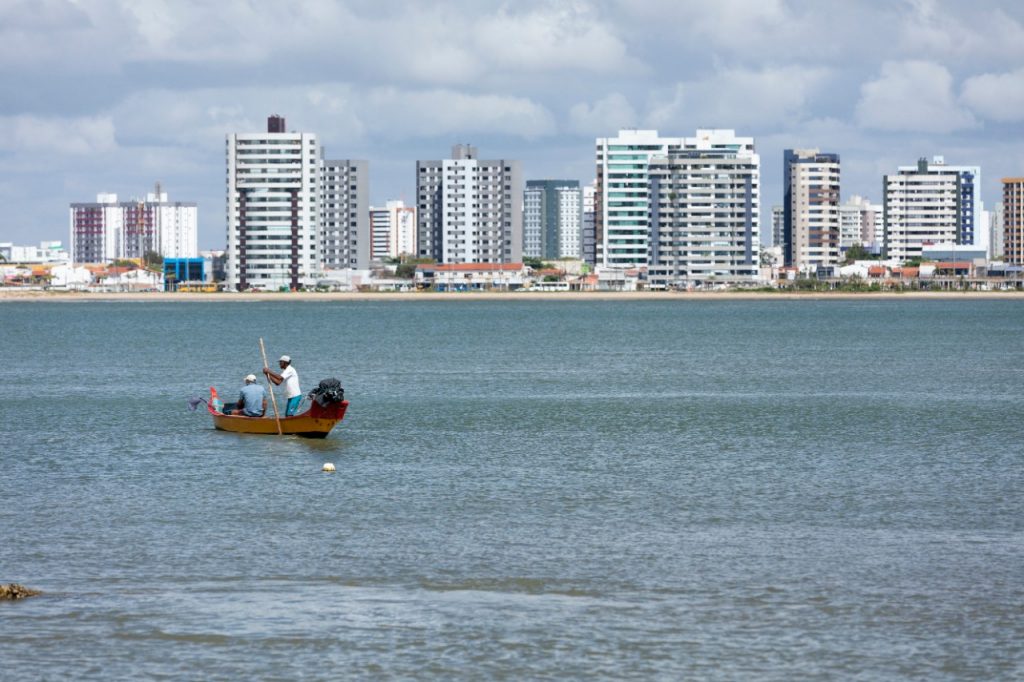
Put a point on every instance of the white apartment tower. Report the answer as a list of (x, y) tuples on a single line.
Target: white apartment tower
[(470, 210), (273, 208), (393, 231), (704, 208), (108, 229), (859, 222), (932, 203), (621, 202), (811, 227), (345, 220)]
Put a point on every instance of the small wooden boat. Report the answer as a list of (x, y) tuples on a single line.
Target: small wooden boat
[(316, 422)]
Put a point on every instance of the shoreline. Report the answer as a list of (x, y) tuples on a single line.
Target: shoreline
[(221, 297)]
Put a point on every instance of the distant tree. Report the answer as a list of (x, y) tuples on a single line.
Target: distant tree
[(858, 252), (531, 262), (407, 270), (153, 260)]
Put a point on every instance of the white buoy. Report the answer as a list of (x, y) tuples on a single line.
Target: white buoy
[(328, 467)]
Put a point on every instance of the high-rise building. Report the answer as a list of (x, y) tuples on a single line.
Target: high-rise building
[(552, 219), (470, 210), (273, 208), (778, 221), (393, 230), (621, 221), (108, 229), (931, 203), (589, 240), (811, 208), (345, 219), (996, 231), (859, 222), (704, 208), (1013, 220)]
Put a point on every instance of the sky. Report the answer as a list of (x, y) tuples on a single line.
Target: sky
[(116, 95)]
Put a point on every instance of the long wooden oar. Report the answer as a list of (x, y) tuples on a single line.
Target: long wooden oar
[(270, 385)]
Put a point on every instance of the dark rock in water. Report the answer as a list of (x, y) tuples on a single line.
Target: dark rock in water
[(15, 591)]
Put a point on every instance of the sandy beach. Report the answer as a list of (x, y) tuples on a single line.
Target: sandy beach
[(16, 295)]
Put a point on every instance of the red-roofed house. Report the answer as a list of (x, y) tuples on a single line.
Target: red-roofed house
[(470, 276)]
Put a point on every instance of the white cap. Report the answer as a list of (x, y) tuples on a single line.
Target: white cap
[(250, 379), (285, 358)]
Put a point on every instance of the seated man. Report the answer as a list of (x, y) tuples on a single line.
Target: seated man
[(252, 401)]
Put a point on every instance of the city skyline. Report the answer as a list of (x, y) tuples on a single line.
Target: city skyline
[(113, 96)]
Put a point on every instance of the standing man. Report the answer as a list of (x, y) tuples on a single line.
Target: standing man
[(290, 378), (252, 401)]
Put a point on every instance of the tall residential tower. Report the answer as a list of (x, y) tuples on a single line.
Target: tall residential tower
[(470, 210), (273, 208), (811, 208), (345, 218), (704, 208), (1013, 220), (552, 212), (932, 203)]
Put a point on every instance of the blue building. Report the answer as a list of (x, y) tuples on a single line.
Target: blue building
[(180, 270)]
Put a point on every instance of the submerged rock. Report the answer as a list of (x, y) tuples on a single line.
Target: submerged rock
[(16, 591)]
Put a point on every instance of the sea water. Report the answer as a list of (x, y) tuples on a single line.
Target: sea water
[(524, 490)]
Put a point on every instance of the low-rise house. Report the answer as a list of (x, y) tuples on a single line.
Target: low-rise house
[(122, 278), (586, 282), (877, 272), (960, 268), (67, 276), (470, 276), (616, 279)]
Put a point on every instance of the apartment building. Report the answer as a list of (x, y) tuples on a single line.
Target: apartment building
[(345, 240), (778, 230), (108, 229), (621, 221), (470, 210), (552, 219), (273, 208), (588, 246), (704, 208), (393, 230), (811, 227), (1013, 220), (931, 203), (859, 223)]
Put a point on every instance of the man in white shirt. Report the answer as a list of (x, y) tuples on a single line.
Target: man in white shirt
[(290, 378)]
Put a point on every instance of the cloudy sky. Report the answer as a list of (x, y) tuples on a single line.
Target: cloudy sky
[(114, 95)]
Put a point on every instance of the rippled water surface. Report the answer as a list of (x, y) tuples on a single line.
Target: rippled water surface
[(524, 490)]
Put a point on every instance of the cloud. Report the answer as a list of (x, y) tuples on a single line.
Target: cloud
[(999, 97), (399, 113), (961, 30), (738, 97), (44, 15), (912, 96), (603, 117), (564, 36), (74, 136), (340, 111)]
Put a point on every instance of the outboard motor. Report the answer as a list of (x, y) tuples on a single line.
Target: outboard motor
[(327, 393)]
